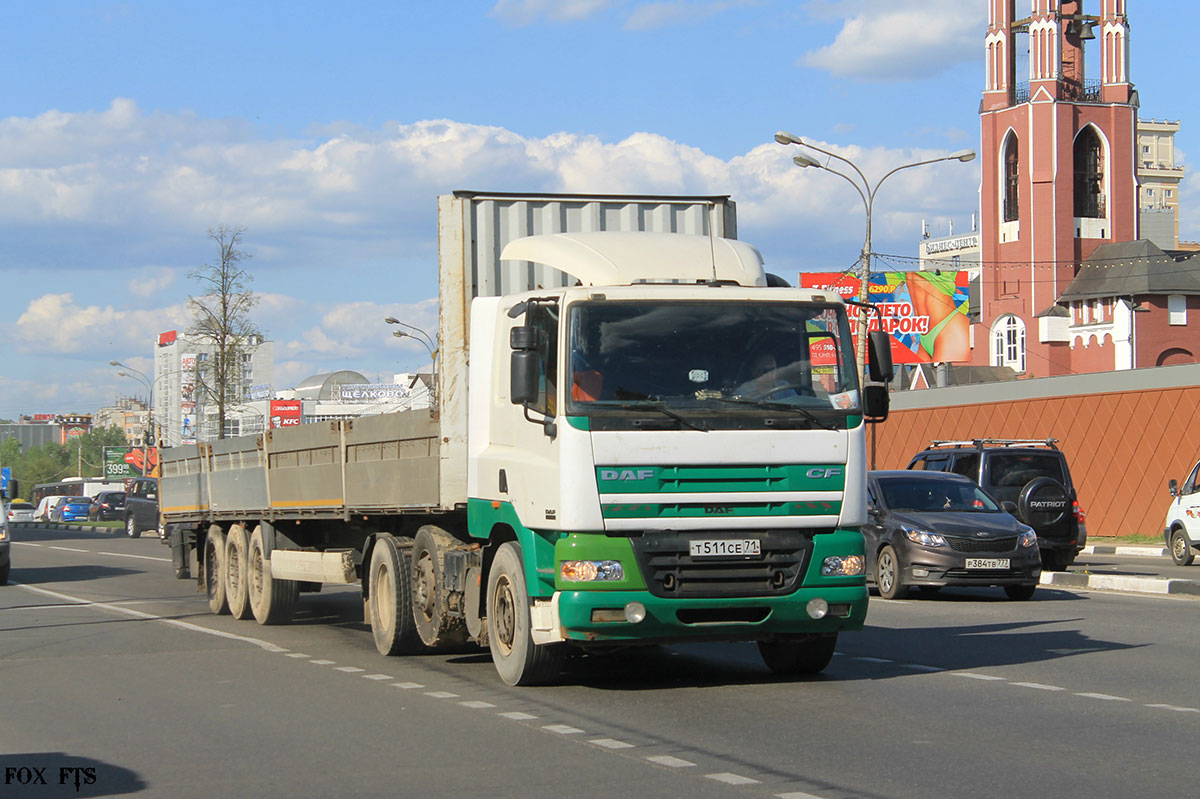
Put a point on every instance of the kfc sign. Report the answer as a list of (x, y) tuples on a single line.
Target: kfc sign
[(285, 413)]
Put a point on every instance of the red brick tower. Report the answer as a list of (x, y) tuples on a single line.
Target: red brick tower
[(1057, 152)]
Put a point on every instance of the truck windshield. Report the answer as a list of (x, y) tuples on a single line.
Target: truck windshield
[(700, 357)]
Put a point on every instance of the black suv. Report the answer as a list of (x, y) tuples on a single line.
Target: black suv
[(1032, 475), (141, 506), (107, 506)]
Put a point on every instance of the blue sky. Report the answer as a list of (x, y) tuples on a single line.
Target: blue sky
[(127, 129)]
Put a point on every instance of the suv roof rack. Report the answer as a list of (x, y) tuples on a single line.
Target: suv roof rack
[(980, 443)]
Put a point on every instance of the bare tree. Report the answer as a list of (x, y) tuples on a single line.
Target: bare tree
[(221, 318)]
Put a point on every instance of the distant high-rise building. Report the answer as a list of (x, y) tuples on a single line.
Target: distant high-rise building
[(1158, 182)]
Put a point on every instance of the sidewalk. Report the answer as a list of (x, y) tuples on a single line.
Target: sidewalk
[(1124, 583)]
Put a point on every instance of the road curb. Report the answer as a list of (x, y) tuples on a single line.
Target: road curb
[(1122, 583), (1130, 551)]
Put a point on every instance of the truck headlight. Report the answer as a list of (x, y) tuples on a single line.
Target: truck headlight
[(842, 566), (590, 571)]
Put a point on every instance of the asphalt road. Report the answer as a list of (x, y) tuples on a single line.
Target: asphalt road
[(108, 663)]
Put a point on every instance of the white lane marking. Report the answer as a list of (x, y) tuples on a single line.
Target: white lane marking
[(1108, 697), (561, 729), (69, 549), (378, 677), (408, 686), (441, 694), (610, 743), (670, 761), (518, 716), (1038, 686), (476, 704), (797, 795), (184, 625), (140, 557), (349, 669), (1176, 708), (972, 675), (322, 662), (731, 779), (26, 544), (298, 655)]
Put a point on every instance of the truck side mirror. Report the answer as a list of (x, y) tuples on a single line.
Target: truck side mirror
[(1173, 487), (523, 368), (879, 361), (876, 403)]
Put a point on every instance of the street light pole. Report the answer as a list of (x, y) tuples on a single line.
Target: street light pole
[(867, 192), (420, 335), (148, 430)]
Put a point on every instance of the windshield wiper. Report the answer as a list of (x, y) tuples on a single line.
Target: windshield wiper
[(779, 406), (658, 406)]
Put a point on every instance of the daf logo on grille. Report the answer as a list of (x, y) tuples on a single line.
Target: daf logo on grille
[(626, 474), (822, 474)]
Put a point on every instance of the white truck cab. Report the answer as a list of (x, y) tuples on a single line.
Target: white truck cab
[(1181, 529)]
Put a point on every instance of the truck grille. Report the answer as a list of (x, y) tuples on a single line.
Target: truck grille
[(981, 544), (671, 572)]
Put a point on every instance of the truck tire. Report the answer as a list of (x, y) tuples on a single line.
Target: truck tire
[(214, 570), (271, 601), (517, 659), (236, 551), (389, 601), (798, 655), (1181, 550), (430, 597)]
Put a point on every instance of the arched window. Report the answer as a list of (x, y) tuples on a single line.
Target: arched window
[(1012, 171), (1008, 343), (1089, 175)]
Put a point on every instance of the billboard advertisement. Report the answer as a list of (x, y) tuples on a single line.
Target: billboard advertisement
[(285, 413), (187, 398), (372, 392), (924, 312), (123, 463)]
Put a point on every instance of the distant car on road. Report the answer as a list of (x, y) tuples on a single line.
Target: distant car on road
[(931, 529), (20, 511), (107, 506), (1181, 528), (71, 509), (5, 545), (45, 506), (141, 507)]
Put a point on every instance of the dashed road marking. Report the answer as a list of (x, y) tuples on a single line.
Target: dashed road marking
[(1107, 697), (1176, 708), (972, 675), (440, 694), (670, 761), (732, 779), (378, 677), (322, 662), (69, 549), (518, 716), (562, 729), (611, 743), (797, 795), (476, 704), (349, 669), (408, 686), (298, 655), (138, 557), (1037, 686)]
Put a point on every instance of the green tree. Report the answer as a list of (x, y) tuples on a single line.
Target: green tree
[(221, 319)]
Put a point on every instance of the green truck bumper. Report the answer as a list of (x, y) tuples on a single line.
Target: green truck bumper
[(598, 616)]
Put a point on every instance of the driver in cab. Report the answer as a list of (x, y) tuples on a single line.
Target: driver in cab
[(766, 383)]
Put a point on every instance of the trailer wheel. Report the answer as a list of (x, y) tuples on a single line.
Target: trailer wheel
[(389, 603), (214, 570), (430, 606), (272, 601), (517, 659), (236, 551)]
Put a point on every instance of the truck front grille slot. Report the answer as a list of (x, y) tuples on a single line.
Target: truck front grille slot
[(671, 572)]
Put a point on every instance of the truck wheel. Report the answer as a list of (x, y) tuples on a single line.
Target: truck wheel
[(430, 606), (236, 550), (4, 573), (1181, 552), (389, 603), (887, 574), (271, 601), (517, 659), (798, 655), (214, 570), (131, 527)]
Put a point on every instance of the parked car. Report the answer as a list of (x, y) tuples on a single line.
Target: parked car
[(71, 509), (1030, 473), (5, 545), (932, 529), (1181, 529), (107, 505), (141, 507), (42, 514), (20, 511)]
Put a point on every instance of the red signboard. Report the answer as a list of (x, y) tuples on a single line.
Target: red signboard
[(285, 413), (167, 338)]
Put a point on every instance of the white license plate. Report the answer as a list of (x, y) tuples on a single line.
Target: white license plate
[(725, 548), (988, 563)]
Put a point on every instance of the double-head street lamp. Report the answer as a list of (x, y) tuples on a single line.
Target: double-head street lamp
[(148, 430), (867, 192), (417, 334)]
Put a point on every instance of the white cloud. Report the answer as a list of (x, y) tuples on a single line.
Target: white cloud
[(151, 280), (678, 12), (519, 13), (891, 40), (56, 324)]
